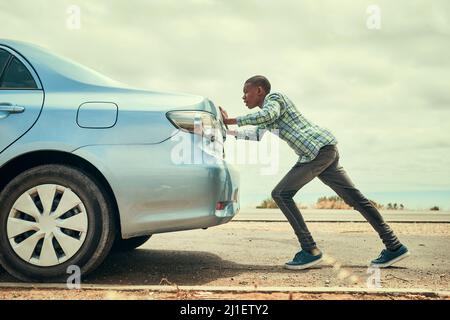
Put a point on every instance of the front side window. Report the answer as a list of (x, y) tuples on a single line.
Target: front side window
[(17, 76), (4, 56)]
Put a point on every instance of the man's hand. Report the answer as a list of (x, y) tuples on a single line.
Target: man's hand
[(224, 113), (225, 117)]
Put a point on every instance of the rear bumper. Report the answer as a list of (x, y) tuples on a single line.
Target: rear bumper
[(154, 195), (219, 185), (189, 209), (230, 197)]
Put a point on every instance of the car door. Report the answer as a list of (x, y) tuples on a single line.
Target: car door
[(21, 97)]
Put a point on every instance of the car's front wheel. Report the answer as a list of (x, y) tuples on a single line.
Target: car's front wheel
[(53, 217)]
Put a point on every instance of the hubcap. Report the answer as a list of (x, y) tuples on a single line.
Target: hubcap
[(47, 225)]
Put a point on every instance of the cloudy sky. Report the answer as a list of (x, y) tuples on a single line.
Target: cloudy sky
[(384, 92)]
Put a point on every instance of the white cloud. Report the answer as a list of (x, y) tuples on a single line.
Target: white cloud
[(383, 93)]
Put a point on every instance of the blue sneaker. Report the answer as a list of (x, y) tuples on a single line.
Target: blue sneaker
[(388, 258), (303, 260)]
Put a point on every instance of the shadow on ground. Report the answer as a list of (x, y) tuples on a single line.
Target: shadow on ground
[(154, 267)]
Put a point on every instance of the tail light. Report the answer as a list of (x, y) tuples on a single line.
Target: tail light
[(222, 204), (204, 125), (196, 122)]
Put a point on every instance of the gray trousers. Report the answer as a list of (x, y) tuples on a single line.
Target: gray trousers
[(326, 166)]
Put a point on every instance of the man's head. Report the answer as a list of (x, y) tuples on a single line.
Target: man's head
[(255, 90)]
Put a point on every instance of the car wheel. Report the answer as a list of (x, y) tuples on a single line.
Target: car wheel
[(123, 245), (53, 217)]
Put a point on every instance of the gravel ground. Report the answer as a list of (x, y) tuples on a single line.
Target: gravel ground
[(41, 294), (253, 254)]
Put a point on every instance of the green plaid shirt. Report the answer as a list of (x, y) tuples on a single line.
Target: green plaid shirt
[(279, 113)]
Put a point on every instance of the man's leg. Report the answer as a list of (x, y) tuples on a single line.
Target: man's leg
[(296, 178), (337, 179)]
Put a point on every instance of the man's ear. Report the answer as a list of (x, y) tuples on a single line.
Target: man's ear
[(260, 91)]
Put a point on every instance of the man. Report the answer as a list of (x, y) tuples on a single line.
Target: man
[(318, 157)]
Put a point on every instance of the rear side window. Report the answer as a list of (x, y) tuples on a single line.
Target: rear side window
[(4, 56), (17, 76)]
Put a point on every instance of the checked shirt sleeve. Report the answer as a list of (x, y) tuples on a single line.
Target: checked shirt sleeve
[(253, 133), (269, 113)]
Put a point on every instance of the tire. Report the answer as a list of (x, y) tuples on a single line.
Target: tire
[(82, 236), (124, 245)]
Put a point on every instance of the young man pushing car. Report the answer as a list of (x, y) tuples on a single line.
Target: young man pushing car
[(318, 157)]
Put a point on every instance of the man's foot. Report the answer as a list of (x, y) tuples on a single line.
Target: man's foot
[(303, 260), (387, 258)]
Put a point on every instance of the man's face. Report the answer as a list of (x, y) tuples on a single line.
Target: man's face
[(253, 95)]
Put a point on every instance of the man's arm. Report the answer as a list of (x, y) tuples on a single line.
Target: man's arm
[(269, 113), (254, 133)]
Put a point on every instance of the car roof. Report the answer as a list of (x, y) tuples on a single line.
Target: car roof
[(57, 72)]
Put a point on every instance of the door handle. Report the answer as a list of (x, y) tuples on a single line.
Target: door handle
[(7, 108), (11, 108)]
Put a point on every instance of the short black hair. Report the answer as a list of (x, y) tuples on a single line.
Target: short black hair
[(260, 81)]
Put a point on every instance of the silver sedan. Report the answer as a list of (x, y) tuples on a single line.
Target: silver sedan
[(88, 164)]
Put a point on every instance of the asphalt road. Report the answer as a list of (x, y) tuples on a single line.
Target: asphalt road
[(325, 215), (253, 253)]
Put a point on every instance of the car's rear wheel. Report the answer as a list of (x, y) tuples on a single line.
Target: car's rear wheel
[(123, 245), (53, 217)]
